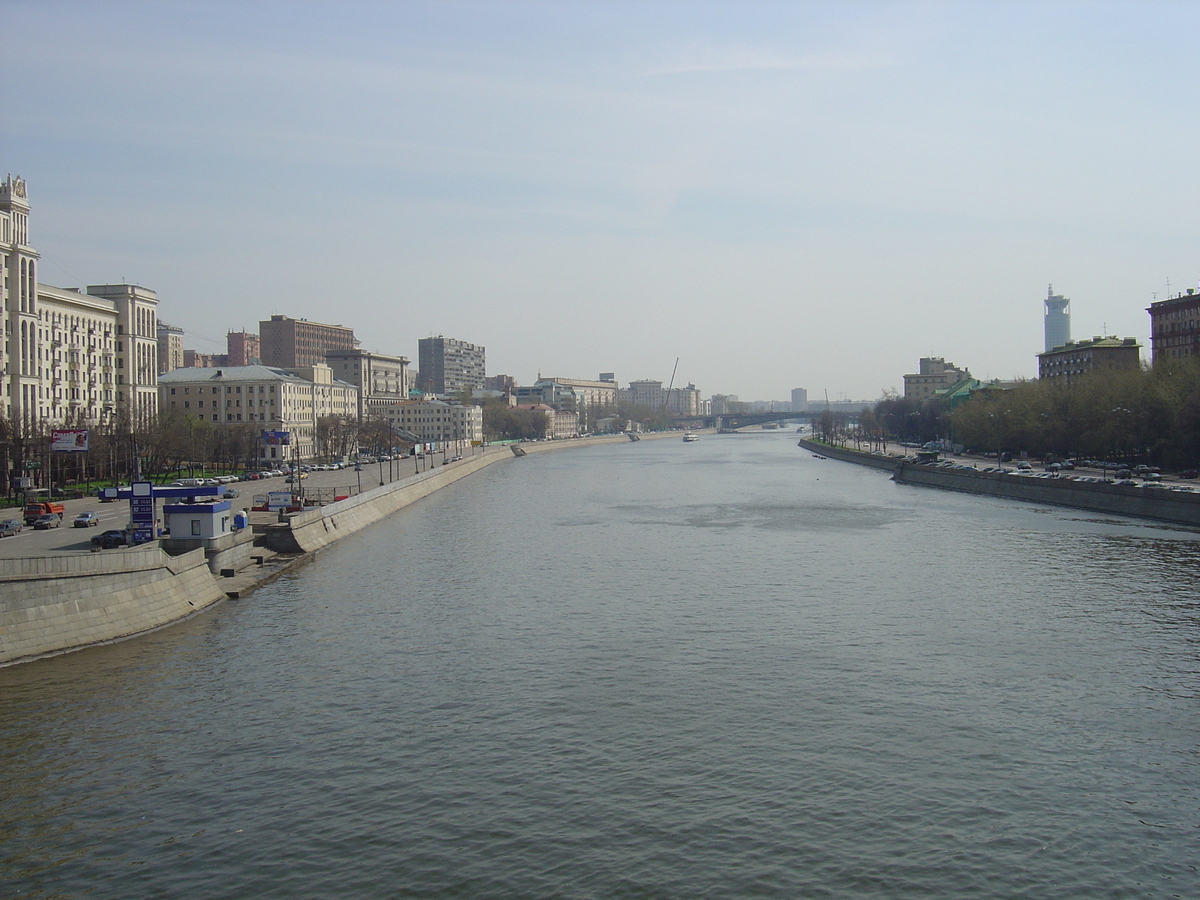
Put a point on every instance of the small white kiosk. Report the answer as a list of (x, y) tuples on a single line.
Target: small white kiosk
[(198, 520)]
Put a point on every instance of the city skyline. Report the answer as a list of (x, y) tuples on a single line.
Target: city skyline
[(780, 196)]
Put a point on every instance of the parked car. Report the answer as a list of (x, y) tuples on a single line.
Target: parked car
[(231, 493), (87, 520), (11, 526), (1024, 464), (111, 538), (49, 520)]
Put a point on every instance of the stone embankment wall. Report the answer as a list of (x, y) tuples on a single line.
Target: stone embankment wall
[(1180, 507), (50, 605), (53, 604), (311, 529)]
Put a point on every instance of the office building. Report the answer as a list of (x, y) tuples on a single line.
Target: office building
[(290, 343), (1058, 319), (448, 366)]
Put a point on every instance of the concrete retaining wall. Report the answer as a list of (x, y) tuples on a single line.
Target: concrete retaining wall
[(311, 529), (50, 605), (874, 460), (53, 604), (229, 551), (1180, 507)]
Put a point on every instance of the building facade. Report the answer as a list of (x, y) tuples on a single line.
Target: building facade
[(1068, 363), (435, 421), (289, 343), (69, 357), (1057, 321), (934, 374), (1175, 327), (560, 423), (194, 359), (170, 347), (381, 380), (501, 383), (598, 396), (262, 399), (243, 348), (447, 366), (684, 401)]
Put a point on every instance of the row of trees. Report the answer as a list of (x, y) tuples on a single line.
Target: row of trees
[(1149, 414), (171, 442)]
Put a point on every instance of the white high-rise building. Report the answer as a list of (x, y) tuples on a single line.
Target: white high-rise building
[(1058, 320)]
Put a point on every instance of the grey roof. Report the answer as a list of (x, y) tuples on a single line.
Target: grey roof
[(229, 373)]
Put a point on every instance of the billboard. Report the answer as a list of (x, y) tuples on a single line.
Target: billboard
[(277, 438), (74, 439), (279, 499)]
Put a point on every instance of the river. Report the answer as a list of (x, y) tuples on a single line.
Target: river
[(656, 669)]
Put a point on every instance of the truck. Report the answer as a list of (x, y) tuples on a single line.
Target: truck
[(36, 508)]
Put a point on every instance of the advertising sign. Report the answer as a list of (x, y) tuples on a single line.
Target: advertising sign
[(277, 438), (279, 499), (74, 439)]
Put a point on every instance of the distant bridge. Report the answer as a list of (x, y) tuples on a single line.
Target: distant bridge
[(734, 421)]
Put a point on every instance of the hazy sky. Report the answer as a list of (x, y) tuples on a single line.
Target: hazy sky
[(803, 194)]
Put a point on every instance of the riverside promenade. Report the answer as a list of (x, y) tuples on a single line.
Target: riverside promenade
[(1181, 507), (57, 602)]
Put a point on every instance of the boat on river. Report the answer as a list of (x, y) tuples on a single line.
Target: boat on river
[(690, 436)]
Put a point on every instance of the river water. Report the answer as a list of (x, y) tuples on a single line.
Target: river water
[(656, 669)]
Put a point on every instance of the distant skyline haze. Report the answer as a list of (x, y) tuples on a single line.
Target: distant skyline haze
[(781, 195)]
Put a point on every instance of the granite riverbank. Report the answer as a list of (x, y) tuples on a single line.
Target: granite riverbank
[(57, 604), (1164, 504)]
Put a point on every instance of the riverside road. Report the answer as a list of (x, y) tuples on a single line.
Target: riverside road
[(115, 515)]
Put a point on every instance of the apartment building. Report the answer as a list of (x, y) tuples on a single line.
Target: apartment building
[(381, 380), (934, 374), (69, 357), (436, 421), (264, 398), (1175, 326), (597, 396), (170, 347), (1068, 363), (243, 348)]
